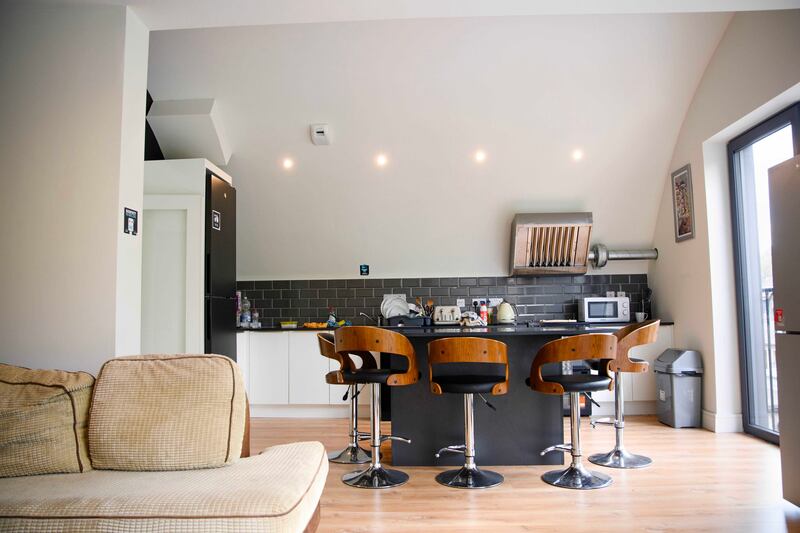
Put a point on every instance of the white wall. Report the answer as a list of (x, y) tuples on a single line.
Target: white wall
[(746, 81), (63, 87), (429, 93), (131, 175)]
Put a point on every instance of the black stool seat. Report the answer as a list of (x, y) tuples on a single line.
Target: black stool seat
[(581, 382), (468, 383), (368, 375)]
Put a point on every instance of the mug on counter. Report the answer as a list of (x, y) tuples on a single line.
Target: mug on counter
[(641, 317)]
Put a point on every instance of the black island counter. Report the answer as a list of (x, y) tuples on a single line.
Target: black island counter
[(524, 423)]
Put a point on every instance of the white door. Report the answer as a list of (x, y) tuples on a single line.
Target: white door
[(269, 368), (164, 281), (307, 369)]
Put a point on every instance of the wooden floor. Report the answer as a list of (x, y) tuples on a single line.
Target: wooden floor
[(699, 481)]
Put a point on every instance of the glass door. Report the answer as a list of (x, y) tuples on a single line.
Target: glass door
[(751, 156)]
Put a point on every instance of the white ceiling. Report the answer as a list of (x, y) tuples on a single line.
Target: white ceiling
[(528, 90), (182, 14)]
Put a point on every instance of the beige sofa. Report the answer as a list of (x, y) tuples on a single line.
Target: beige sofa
[(277, 490)]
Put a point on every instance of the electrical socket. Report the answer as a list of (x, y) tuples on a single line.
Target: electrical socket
[(494, 302), (477, 301), (460, 302)]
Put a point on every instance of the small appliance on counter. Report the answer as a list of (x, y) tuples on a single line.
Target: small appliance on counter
[(604, 309), (506, 314), (446, 314)]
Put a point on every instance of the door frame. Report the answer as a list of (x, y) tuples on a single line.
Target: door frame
[(789, 115)]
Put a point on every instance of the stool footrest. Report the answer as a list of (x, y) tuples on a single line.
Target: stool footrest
[(456, 448), (393, 437), (566, 447)]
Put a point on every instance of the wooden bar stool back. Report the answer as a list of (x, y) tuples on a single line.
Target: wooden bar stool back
[(361, 339), (477, 352), (627, 338), (352, 453), (577, 348)]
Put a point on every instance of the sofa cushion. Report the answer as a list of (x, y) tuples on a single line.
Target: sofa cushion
[(43, 416), (276, 491), (161, 412)]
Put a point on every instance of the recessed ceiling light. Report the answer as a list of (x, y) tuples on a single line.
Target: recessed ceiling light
[(577, 154), (480, 156), (381, 160), (288, 163)]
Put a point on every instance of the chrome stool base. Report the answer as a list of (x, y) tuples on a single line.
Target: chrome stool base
[(577, 477), (375, 477), (352, 455), (617, 458), (469, 478)]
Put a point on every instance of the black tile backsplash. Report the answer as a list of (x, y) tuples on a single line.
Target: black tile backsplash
[(536, 297)]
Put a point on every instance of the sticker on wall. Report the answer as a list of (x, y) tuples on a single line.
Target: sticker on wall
[(363, 270), (131, 222), (216, 220)]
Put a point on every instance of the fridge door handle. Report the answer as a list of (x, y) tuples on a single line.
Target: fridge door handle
[(208, 273), (208, 320)]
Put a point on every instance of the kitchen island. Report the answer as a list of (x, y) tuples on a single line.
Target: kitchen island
[(524, 423)]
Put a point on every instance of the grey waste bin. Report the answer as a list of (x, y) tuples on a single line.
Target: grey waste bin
[(679, 388)]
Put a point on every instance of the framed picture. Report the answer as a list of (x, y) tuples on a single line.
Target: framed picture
[(131, 224), (683, 203)]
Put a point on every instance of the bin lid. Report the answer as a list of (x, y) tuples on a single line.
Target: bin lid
[(674, 361)]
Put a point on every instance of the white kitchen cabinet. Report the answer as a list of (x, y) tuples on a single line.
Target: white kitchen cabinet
[(644, 384), (243, 357), (307, 369), (336, 392), (269, 367)]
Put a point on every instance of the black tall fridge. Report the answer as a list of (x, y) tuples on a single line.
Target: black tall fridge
[(220, 267)]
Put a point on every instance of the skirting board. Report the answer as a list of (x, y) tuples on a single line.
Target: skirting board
[(299, 411), (722, 423)]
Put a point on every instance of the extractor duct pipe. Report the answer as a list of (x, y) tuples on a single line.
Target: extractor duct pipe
[(599, 255)]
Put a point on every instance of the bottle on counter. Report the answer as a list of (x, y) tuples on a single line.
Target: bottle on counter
[(332, 317), (255, 323), (246, 317), (484, 312), (238, 308)]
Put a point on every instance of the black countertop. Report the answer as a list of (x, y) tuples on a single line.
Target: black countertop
[(495, 330)]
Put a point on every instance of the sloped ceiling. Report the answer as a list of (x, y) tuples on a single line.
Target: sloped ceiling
[(429, 93)]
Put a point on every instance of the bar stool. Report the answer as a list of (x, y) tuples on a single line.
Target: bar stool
[(477, 351), (579, 347), (352, 453), (627, 338), (354, 339)]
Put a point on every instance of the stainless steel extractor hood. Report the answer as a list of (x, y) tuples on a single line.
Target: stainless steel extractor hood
[(558, 243)]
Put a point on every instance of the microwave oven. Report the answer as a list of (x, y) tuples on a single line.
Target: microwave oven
[(604, 309)]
